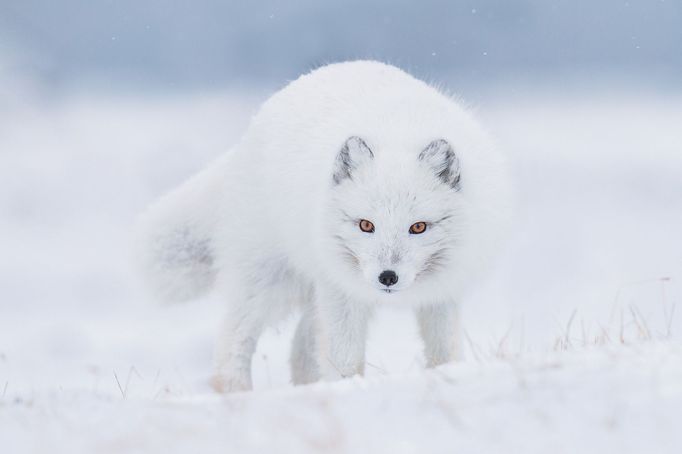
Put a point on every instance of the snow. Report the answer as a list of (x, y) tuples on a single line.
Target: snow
[(606, 400), (572, 345)]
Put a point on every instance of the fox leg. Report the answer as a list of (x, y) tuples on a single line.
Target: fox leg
[(236, 343), (304, 352), (439, 329), (342, 334)]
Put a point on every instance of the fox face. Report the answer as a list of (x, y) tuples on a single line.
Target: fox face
[(394, 222)]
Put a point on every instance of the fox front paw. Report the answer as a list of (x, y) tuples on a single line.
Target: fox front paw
[(224, 384)]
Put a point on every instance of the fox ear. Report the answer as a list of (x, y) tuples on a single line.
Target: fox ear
[(353, 154), (440, 157)]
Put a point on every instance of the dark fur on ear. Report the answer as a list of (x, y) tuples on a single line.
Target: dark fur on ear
[(353, 153), (442, 159)]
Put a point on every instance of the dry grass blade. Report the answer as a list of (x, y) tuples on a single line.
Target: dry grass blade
[(671, 316), (569, 325), (472, 346), (640, 322), (500, 352), (379, 368), (120, 388)]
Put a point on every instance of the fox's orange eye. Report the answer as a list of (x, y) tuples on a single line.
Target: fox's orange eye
[(366, 226), (418, 227)]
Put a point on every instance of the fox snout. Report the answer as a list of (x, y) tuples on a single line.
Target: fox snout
[(388, 278)]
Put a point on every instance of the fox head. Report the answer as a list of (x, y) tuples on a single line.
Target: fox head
[(394, 219)]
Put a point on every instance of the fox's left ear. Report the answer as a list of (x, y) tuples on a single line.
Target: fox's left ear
[(440, 156), (353, 154)]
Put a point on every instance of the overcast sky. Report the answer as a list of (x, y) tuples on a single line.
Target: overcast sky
[(214, 43)]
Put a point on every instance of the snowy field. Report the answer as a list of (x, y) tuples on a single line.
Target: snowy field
[(572, 345)]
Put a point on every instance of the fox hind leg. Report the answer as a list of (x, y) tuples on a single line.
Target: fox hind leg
[(257, 300), (304, 366)]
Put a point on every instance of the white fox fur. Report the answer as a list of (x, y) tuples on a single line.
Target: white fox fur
[(274, 224)]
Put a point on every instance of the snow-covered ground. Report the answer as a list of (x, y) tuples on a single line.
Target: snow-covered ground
[(605, 401), (572, 345)]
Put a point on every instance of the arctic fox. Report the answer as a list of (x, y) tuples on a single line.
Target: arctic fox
[(356, 185)]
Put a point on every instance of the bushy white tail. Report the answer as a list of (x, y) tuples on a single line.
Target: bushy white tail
[(174, 242)]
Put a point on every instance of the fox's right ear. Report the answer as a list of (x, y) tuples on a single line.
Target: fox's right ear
[(353, 154)]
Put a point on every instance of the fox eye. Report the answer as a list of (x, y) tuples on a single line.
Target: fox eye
[(366, 226), (418, 227)]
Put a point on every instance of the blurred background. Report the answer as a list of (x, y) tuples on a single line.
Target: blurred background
[(105, 105), (211, 44)]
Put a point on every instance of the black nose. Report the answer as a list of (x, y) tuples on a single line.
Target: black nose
[(388, 278)]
